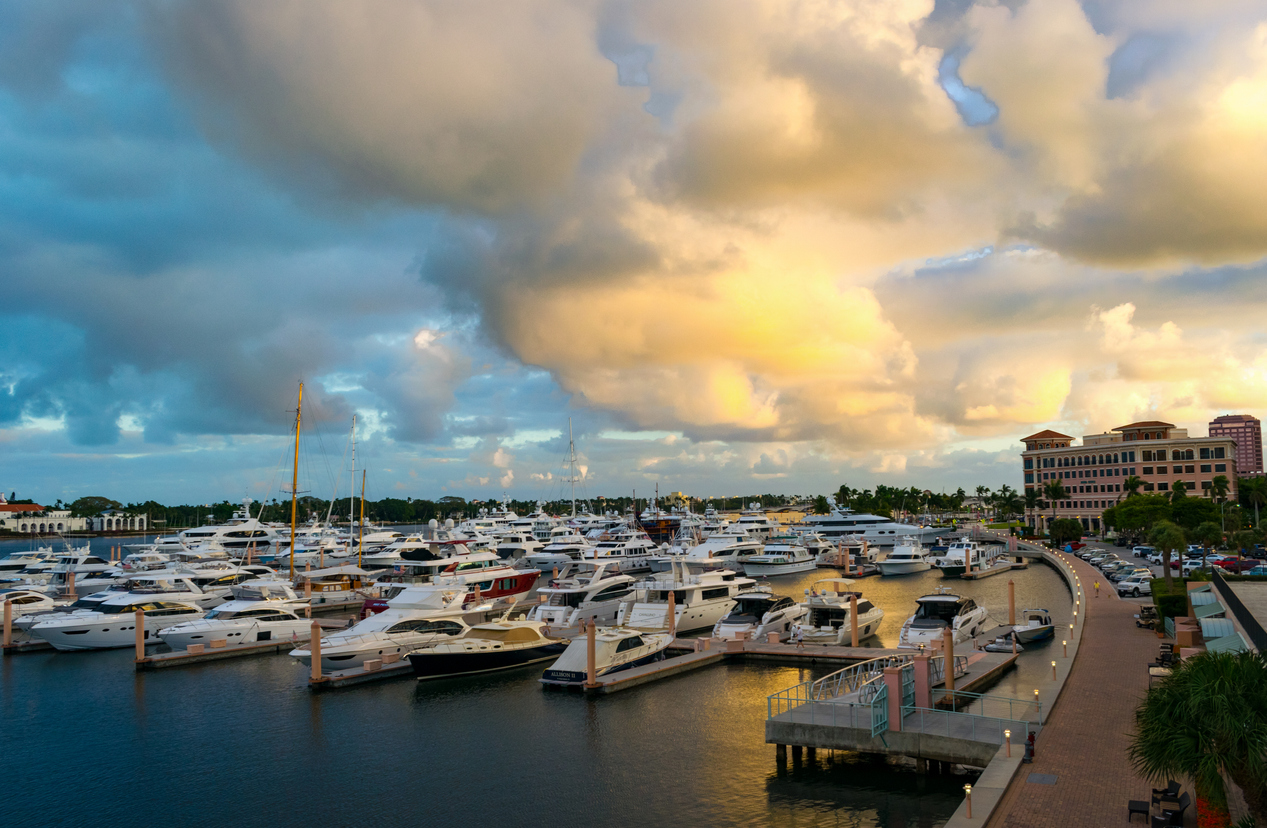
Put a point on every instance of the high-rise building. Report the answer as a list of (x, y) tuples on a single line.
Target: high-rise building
[(1093, 475), (1247, 431)]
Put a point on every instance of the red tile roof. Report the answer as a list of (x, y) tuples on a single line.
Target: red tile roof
[(1146, 424), (21, 507), (1046, 435)]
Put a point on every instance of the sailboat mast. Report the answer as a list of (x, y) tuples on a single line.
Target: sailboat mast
[(360, 549), (572, 465), (352, 488), (294, 480)]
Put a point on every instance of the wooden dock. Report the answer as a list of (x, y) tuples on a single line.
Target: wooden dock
[(27, 645), (997, 569), (182, 658), (671, 666), (374, 670)]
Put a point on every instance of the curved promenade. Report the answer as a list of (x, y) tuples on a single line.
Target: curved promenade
[(1086, 735)]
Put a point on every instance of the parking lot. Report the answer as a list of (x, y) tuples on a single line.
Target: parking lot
[(1108, 587)]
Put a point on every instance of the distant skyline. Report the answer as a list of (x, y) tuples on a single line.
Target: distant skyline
[(745, 247)]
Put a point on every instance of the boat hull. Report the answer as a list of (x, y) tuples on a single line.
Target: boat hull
[(903, 567), (572, 678), (755, 569), (429, 664)]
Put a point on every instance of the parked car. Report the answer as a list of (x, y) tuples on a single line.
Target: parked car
[(1127, 573), (1135, 587), (1195, 549), (1076, 545), (1191, 566), (1143, 551), (1233, 565), (1258, 570)]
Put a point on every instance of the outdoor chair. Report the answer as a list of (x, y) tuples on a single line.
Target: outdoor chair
[(1174, 810), (1171, 791), (1137, 806)]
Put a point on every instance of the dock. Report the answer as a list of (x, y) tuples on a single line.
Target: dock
[(374, 670), (202, 654), (671, 666), (26, 645), (996, 569)]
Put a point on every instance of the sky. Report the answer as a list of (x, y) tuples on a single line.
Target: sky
[(742, 246)]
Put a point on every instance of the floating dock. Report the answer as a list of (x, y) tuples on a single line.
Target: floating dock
[(374, 670), (671, 666), (204, 653), (996, 569), (26, 645)]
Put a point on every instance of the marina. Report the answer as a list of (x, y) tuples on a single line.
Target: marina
[(748, 669)]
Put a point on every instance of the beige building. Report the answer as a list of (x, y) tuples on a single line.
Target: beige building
[(1093, 473)]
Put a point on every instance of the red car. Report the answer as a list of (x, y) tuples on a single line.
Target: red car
[(1233, 565), (1077, 546)]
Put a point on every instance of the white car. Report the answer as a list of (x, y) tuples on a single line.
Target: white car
[(1192, 566), (1135, 587), (1142, 551)]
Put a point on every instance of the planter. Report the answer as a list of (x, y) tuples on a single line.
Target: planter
[(1211, 815)]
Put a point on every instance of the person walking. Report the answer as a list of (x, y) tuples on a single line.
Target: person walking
[(1097, 588), (799, 635)]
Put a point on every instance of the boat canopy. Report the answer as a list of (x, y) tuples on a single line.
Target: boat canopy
[(332, 570)]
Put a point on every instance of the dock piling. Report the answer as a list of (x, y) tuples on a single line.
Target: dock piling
[(853, 619), (8, 624), (948, 662), (140, 635), (1011, 602), (591, 631), (314, 650)]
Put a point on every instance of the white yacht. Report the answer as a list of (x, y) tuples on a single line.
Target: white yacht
[(828, 613), (954, 563), (28, 601), (907, 557), (631, 551), (564, 547), (615, 649), (1035, 625), (728, 548), (939, 612), (15, 563), (514, 546), (240, 533), (592, 593), (259, 611), (783, 555), (112, 624), (756, 523), (416, 617), (874, 529), (699, 601), (759, 613)]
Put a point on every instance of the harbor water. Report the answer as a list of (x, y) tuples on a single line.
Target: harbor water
[(243, 742)]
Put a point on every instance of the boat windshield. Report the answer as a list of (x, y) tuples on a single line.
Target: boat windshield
[(749, 610), (566, 599), (937, 611)]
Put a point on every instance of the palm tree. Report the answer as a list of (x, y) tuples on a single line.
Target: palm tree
[(1167, 538), (1208, 533), (1254, 489), (1178, 491), (844, 494), (1003, 499), (1131, 485), (1032, 498), (1219, 487), (1054, 490), (1206, 719)]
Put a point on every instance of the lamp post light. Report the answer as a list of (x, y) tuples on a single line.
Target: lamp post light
[(1007, 740), (1065, 644), (967, 792), (1053, 671)]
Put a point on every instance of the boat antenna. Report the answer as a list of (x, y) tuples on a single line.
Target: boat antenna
[(294, 482), (352, 488)]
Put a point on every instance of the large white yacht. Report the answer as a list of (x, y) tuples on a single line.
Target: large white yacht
[(112, 624), (960, 553), (727, 548), (755, 521), (828, 616), (416, 617), (28, 601), (907, 557), (259, 611), (631, 551), (236, 535), (874, 529), (592, 593), (938, 612), (565, 545), (699, 601), (783, 555)]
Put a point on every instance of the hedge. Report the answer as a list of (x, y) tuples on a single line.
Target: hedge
[(1173, 604)]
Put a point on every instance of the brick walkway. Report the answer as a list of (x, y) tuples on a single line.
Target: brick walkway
[(1086, 737)]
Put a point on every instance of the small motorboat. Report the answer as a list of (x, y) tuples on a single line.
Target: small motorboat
[(1003, 644), (759, 613), (615, 649), (1035, 626), (828, 613)]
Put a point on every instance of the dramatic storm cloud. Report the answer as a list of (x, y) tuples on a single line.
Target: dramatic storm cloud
[(743, 246)]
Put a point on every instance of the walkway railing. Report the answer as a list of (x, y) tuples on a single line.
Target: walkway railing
[(852, 678), (1000, 707), (963, 725), (802, 708)]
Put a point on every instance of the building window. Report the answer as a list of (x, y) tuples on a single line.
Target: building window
[(1205, 454), (1029, 477), (1218, 453), (1160, 454), (1220, 467), (1205, 484), (1189, 469), (1148, 470), (1205, 468), (1029, 462), (1148, 487), (1162, 487), (1148, 455)]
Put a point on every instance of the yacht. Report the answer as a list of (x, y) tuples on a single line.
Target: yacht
[(699, 601), (941, 611), (565, 546), (238, 534), (874, 529), (954, 563), (783, 555), (28, 601), (759, 613), (757, 524), (112, 624), (907, 556), (630, 551), (828, 613), (728, 548), (517, 545), (259, 611), (615, 649), (17, 562), (592, 593), (486, 648), (417, 616)]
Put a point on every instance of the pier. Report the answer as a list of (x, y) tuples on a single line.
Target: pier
[(218, 650)]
